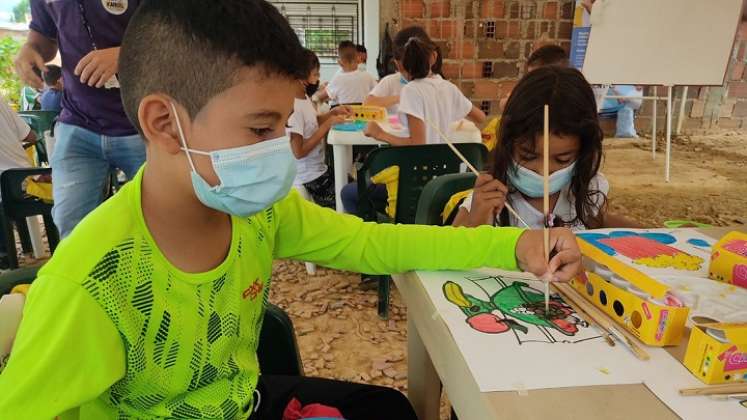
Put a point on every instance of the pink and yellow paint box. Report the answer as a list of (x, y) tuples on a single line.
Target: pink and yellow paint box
[(717, 352), (729, 259)]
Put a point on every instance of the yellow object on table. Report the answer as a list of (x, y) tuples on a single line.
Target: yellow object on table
[(368, 113), (655, 324), (490, 134), (729, 259), (717, 352)]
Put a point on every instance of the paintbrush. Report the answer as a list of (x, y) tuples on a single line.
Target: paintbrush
[(472, 168), (736, 388), (546, 207)]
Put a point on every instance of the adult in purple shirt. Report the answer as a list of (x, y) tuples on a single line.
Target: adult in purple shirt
[(93, 134)]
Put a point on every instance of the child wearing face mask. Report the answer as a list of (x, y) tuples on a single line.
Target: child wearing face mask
[(578, 191), (159, 315), (307, 130)]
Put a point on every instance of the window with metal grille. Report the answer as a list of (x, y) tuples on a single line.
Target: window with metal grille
[(485, 107), (487, 69), (321, 26), (490, 29)]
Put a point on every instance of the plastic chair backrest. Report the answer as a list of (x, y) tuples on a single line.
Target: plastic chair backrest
[(46, 119), (278, 351), (11, 279), (15, 202), (418, 166), (437, 193)]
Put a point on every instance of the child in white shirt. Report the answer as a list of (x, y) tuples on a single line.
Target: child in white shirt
[(425, 100), (578, 191), (350, 85), (387, 91), (307, 130)]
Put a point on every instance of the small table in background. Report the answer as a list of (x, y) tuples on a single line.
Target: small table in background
[(343, 141)]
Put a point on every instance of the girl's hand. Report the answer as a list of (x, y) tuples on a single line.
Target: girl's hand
[(343, 110), (336, 119), (562, 267), (373, 130), (488, 199)]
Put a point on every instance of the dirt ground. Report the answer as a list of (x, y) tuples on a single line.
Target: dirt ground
[(341, 336)]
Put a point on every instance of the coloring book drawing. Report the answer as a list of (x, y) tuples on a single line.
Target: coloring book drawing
[(499, 326)]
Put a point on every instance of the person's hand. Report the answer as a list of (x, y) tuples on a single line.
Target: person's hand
[(29, 63), (588, 4), (336, 119), (565, 263), (488, 199), (98, 66), (373, 130), (344, 110)]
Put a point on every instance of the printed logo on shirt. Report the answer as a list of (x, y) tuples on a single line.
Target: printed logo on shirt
[(115, 7), (254, 290)]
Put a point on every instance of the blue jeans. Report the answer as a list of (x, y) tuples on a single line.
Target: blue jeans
[(81, 162)]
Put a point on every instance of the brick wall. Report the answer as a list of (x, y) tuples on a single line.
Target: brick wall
[(486, 42)]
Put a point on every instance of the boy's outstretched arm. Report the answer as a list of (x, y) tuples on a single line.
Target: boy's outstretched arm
[(309, 233), (67, 352)]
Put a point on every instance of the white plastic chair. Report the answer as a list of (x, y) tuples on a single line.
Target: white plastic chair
[(310, 267)]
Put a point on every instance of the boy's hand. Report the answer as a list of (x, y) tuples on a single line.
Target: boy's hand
[(98, 66), (563, 266), (488, 199), (373, 130), (344, 110)]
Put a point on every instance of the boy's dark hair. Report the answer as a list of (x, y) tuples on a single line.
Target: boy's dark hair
[(417, 57), (310, 61), (347, 51), (404, 35), (190, 51), (361, 49), (548, 55), (52, 75), (345, 45), (573, 111)]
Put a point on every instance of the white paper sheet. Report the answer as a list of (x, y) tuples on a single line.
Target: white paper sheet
[(508, 348)]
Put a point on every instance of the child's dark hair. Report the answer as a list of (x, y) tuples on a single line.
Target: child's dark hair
[(347, 52), (417, 57), (548, 55), (52, 75), (310, 61), (190, 50), (573, 112), (401, 38), (344, 45)]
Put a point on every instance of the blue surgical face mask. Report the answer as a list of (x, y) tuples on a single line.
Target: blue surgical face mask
[(532, 184), (252, 178)]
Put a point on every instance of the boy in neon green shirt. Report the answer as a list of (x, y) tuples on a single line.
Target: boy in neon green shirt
[(152, 307)]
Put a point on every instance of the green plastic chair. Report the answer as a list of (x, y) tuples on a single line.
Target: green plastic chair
[(437, 193), (417, 166), (17, 206), (277, 351), (45, 120)]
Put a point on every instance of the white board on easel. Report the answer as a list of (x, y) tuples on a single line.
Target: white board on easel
[(661, 42)]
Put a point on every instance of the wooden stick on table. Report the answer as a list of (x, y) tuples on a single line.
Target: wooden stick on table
[(472, 168), (546, 208), (736, 388)]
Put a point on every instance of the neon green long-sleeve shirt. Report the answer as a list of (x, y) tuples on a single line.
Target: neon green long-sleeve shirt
[(111, 329)]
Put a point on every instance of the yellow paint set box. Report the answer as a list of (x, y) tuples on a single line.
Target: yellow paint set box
[(368, 113), (647, 312), (717, 352), (729, 260)]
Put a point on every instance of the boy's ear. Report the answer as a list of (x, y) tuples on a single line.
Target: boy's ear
[(158, 122)]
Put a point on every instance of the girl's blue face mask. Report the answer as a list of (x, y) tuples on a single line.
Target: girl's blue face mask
[(252, 178), (532, 184)]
